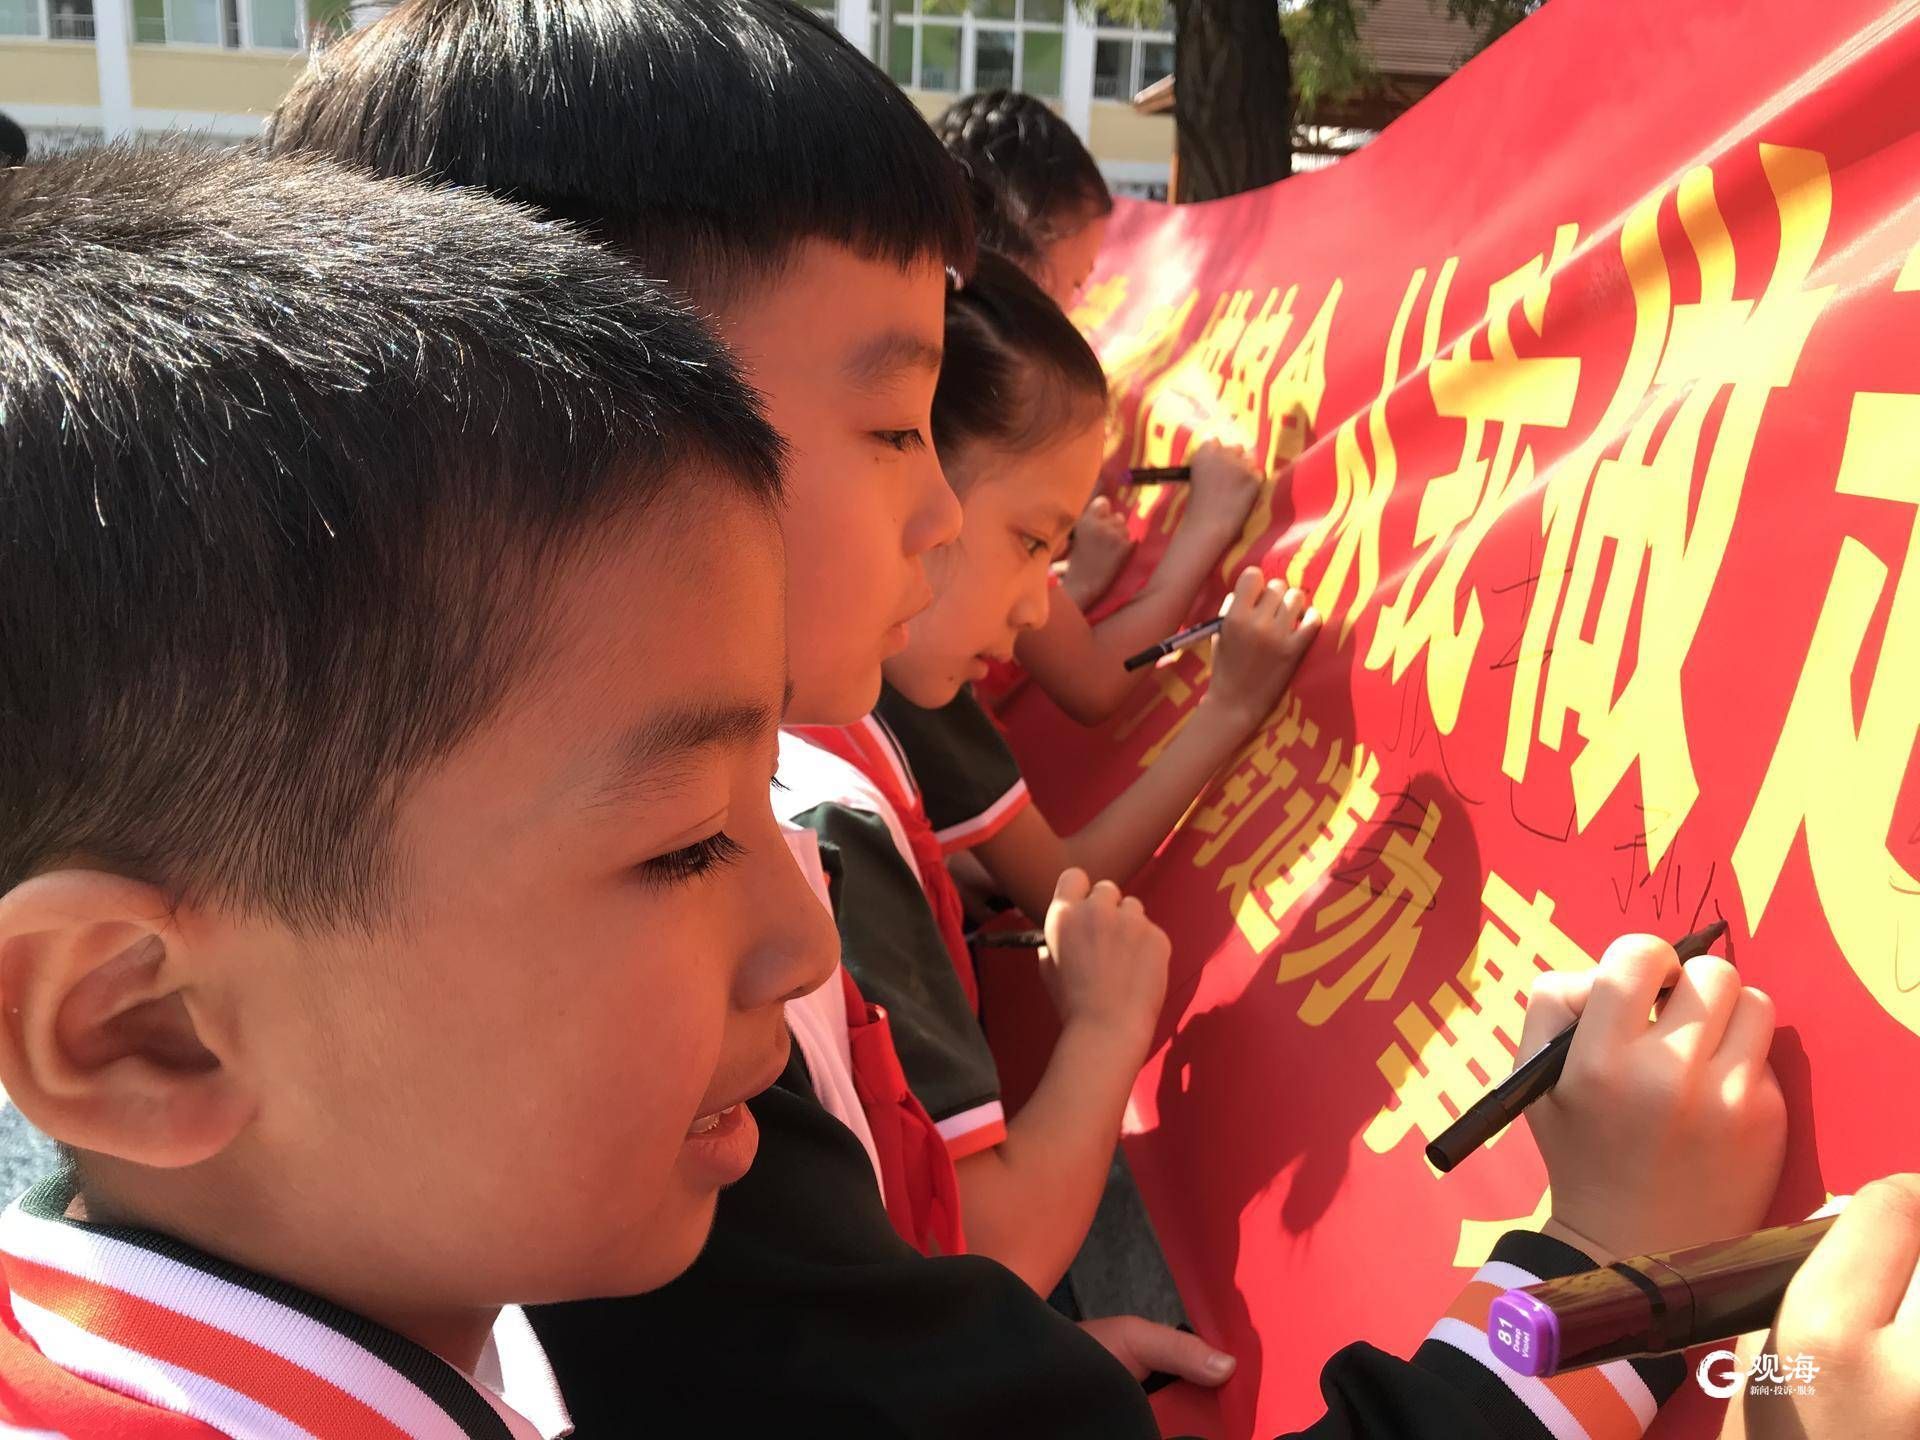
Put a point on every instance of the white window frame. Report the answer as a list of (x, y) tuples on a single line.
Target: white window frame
[(968, 26), (246, 45), (1140, 38), (44, 10)]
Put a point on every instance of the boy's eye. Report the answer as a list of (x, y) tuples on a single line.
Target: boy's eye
[(902, 440), (692, 861), (1035, 546)]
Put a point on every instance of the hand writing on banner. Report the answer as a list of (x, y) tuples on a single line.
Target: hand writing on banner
[(1838, 781), (1504, 393), (1453, 1057), (1232, 384), (1638, 511), (1352, 522)]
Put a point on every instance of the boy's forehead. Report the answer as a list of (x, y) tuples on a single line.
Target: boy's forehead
[(672, 642), (864, 309)]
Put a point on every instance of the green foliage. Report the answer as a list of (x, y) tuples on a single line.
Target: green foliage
[(1492, 18), (1323, 42), (326, 18)]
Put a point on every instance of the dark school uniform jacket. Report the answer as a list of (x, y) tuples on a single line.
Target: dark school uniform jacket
[(967, 777), (861, 799)]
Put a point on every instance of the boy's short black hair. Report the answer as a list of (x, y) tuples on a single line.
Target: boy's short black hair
[(708, 137), (1033, 180), (289, 459)]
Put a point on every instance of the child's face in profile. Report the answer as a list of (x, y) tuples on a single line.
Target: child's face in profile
[(992, 583), (529, 1087), (1068, 259), (847, 351)]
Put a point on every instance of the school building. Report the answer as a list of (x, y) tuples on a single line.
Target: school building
[(78, 70)]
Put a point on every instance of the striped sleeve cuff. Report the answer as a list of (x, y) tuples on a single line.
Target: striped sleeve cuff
[(988, 823), (1615, 1401), (977, 1128)]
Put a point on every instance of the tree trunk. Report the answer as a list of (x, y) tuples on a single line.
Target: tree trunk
[(1233, 97)]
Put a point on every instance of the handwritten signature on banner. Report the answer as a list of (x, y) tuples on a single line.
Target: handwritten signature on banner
[(1635, 519)]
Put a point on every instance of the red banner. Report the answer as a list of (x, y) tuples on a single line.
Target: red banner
[(1600, 373)]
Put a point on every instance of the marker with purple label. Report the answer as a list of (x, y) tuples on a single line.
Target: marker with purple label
[(1651, 1304)]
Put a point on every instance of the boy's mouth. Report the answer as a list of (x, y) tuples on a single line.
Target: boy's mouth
[(718, 1118), (707, 1124)]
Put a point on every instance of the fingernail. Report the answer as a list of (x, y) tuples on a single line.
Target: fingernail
[(1220, 1364), (1312, 617)]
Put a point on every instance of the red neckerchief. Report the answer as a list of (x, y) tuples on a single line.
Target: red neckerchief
[(916, 1170)]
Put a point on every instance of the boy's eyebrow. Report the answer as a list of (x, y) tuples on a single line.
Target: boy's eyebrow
[(878, 360), (648, 751)]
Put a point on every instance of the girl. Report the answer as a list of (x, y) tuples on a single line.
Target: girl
[(1040, 200)]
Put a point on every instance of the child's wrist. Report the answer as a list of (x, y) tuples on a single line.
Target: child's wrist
[(1218, 530), (1557, 1229), (1232, 718), (1121, 1035)]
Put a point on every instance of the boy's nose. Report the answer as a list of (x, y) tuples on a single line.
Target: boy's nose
[(802, 948), (936, 515), (1030, 610)]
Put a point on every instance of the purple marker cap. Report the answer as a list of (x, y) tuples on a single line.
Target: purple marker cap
[(1524, 1333)]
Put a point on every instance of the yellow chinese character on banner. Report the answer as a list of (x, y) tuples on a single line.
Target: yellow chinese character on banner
[(1185, 396), (1175, 684), (1839, 780), (1456, 1053), (1388, 915), (1280, 400), (1363, 486), (1146, 351), (1502, 394), (1638, 514), (1260, 772), (1100, 303), (1317, 821)]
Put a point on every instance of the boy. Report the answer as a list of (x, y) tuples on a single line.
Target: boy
[(392, 920)]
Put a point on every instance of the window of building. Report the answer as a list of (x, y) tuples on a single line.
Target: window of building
[(47, 19), (1126, 60), (227, 24), (20, 17), (953, 45), (70, 19)]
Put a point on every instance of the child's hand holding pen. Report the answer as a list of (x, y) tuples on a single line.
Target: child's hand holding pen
[(1265, 630), (1225, 484), (1663, 1131)]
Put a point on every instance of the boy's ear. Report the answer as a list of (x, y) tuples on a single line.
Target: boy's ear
[(100, 1043)]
